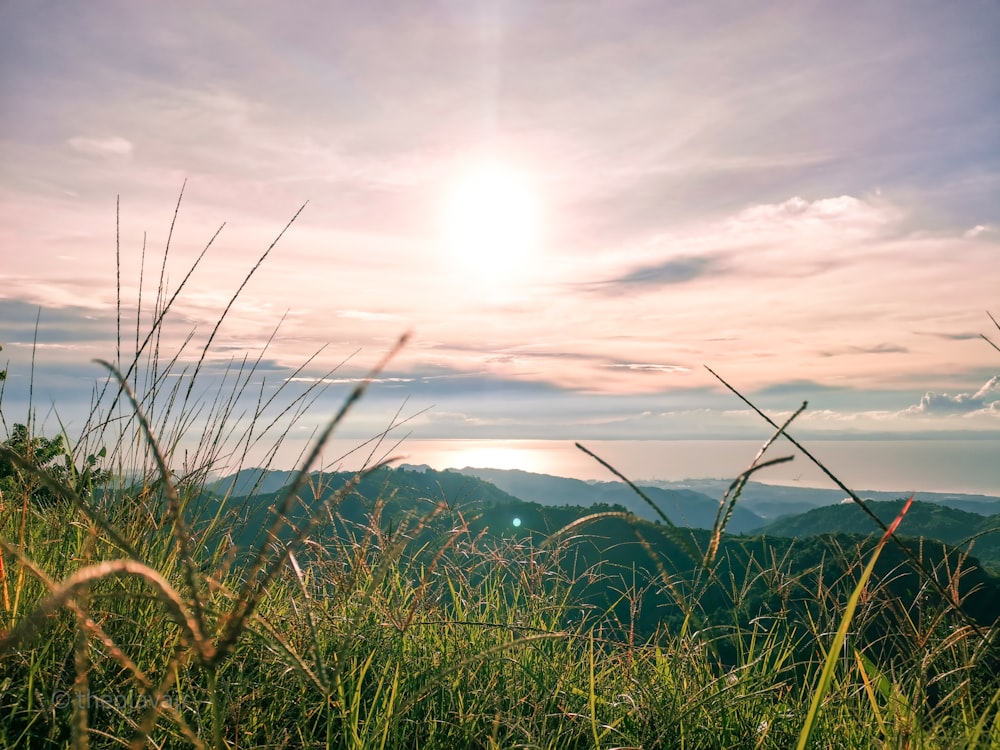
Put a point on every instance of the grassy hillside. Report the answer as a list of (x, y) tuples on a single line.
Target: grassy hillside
[(429, 619)]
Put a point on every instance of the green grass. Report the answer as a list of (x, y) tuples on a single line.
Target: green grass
[(120, 626)]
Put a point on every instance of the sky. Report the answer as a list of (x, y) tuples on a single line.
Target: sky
[(573, 208)]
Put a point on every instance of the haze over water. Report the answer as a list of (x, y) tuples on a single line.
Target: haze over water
[(961, 466)]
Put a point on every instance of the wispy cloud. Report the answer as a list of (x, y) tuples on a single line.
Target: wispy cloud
[(882, 348), (366, 315), (672, 271), (648, 367), (947, 336), (113, 146)]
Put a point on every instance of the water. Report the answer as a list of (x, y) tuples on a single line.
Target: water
[(967, 466)]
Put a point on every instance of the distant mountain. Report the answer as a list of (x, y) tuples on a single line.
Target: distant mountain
[(684, 507), (773, 501), (765, 500), (927, 520), (251, 482)]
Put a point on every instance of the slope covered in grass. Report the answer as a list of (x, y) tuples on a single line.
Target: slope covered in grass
[(445, 627)]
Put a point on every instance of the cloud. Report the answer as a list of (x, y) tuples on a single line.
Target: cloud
[(366, 315), (674, 271), (844, 214), (452, 418), (874, 349), (648, 367), (881, 349), (66, 328), (796, 389), (951, 336), (666, 273), (348, 381), (979, 230), (986, 398), (114, 146)]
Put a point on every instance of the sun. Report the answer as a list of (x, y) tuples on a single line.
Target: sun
[(491, 222)]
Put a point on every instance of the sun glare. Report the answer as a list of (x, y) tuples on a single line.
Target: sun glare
[(491, 223), (498, 457)]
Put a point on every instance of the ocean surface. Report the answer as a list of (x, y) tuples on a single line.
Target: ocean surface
[(961, 466)]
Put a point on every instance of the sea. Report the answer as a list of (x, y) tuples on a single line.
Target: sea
[(905, 466)]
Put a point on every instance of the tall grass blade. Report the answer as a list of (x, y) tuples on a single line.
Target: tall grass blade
[(175, 513), (81, 579), (833, 651)]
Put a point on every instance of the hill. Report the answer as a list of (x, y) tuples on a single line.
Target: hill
[(925, 520), (251, 481), (401, 492), (684, 507)]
